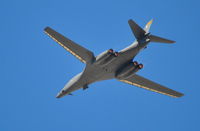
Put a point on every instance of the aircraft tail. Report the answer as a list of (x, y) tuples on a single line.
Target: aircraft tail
[(143, 34)]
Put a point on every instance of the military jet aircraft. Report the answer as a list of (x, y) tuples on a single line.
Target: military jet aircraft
[(111, 64)]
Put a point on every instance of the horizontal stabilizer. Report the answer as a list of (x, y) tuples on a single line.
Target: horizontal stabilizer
[(154, 38), (138, 32)]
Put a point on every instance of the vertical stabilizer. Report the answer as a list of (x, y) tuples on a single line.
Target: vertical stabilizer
[(148, 26)]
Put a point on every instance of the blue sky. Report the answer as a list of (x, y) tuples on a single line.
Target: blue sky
[(34, 68)]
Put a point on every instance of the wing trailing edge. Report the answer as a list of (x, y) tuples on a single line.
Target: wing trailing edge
[(144, 83)]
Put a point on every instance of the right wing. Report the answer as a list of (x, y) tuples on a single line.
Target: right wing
[(78, 51), (142, 82)]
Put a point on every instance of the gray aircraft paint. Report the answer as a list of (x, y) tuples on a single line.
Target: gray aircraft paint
[(107, 65)]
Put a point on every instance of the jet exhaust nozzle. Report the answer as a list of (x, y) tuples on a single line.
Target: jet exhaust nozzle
[(129, 70)]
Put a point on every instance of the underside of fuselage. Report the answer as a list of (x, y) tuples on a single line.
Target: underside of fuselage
[(108, 70), (111, 64), (96, 71)]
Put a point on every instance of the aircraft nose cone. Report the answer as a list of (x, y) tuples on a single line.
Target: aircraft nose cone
[(59, 95)]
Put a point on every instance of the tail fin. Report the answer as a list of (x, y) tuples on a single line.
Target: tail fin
[(148, 25), (142, 34)]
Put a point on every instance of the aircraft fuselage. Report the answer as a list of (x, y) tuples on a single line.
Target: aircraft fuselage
[(111, 64), (94, 72)]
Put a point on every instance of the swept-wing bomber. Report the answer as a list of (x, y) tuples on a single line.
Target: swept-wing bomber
[(111, 64)]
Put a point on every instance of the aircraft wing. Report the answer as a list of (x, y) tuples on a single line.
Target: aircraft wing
[(78, 51), (142, 82)]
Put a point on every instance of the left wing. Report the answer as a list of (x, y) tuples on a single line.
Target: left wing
[(78, 51), (142, 82)]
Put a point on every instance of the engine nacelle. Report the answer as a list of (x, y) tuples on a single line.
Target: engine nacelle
[(105, 57), (129, 70)]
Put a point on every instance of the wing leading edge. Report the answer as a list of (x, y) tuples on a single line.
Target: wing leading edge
[(78, 51), (142, 82)]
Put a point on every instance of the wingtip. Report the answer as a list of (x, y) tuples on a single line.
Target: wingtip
[(172, 42), (130, 20), (179, 95), (46, 28)]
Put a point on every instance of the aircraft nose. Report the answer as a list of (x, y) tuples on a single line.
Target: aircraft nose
[(58, 95)]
